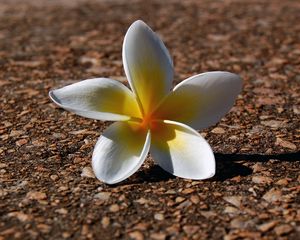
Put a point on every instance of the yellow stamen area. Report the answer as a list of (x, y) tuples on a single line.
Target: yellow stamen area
[(181, 106), (149, 84), (165, 135), (116, 100), (149, 122)]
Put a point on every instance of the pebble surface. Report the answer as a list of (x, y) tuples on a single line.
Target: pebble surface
[(47, 187)]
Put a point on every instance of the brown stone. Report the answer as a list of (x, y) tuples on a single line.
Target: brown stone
[(21, 142), (44, 228), (159, 216), (35, 195), (285, 144), (136, 235), (105, 222), (234, 200), (218, 130), (62, 211), (261, 179), (114, 208), (283, 229), (20, 216), (87, 172), (190, 229), (272, 195), (267, 226), (179, 199), (158, 236), (104, 196)]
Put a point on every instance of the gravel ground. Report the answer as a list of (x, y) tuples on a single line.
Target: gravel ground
[(47, 188)]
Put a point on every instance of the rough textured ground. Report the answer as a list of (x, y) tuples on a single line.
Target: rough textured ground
[(47, 188)]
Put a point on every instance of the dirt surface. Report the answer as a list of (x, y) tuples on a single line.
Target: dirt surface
[(48, 190)]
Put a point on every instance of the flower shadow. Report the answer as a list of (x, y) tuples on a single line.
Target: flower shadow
[(289, 157), (229, 169), (154, 174), (151, 175), (227, 166)]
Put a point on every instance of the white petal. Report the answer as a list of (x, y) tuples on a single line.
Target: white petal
[(98, 98), (182, 151), (147, 64), (120, 151), (202, 100)]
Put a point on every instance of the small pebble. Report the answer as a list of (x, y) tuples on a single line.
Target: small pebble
[(105, 222), (272, 195), (21, 142), (159, 216), (35, 195), (114, 208), (234, 200), (190, 229), (261, 180), (283, 229), (104, 196), (285, 144), (179, 199), (218, 130), (136, 235), (267, 226), (87, 172), (62, 211)]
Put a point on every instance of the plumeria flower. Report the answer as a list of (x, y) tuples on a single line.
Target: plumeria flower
[(151, 114)]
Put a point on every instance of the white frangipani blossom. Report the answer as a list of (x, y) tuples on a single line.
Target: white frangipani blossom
[(151, 117)]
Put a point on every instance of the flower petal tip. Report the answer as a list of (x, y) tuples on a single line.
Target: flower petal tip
[(182, 151), (147, 64), (237, 78), (139, 22), (52, 96), (112, 161), (205, 98)]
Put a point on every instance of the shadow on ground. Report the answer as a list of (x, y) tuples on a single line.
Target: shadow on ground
[(227, 167), (290, 157)]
